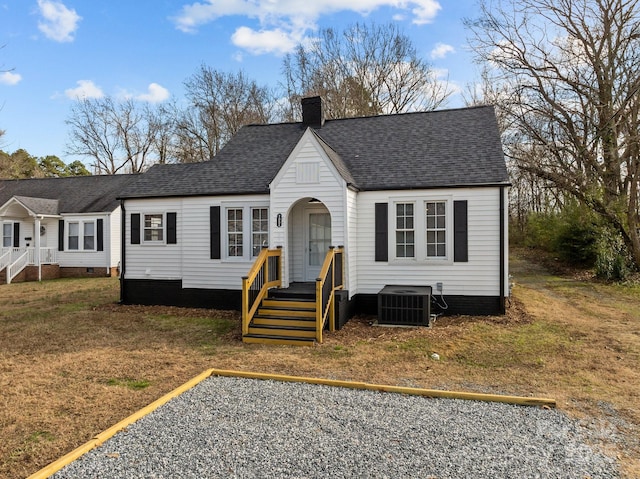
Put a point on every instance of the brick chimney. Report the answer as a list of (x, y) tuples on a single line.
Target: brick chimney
[(312, 112)]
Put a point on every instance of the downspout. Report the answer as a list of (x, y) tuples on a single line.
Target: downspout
[(502, 253), (123, 255)]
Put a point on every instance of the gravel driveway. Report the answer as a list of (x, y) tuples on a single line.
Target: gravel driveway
[(248, 428)]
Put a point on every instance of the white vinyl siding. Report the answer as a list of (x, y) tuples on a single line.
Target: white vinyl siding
[(477, 277), (82, 257), (190, 259), (112, 236), (153, 260), (351, 245)]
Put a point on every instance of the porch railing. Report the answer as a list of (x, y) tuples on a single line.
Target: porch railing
[(16, 259), (330, 280), (264, 274), (5, 259), (18, 265), (47, 255)]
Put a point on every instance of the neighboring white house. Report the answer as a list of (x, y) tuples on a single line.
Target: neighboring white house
[(60, 227), (416, 199)]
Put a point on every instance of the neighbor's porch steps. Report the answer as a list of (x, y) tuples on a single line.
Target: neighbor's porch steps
[(284, 319)]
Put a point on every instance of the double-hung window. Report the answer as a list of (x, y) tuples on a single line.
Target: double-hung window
[(405, 231), (153, 228), (423, 229), (81, 236), (235, 235), (259, 229), (89, 237), (7, 235), (74, 236), (245, 231), (436, 222)]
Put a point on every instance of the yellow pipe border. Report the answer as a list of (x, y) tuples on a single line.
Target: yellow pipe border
[(103, 436), (432, 393)]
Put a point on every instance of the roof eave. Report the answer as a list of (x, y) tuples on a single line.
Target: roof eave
[(193, 195)]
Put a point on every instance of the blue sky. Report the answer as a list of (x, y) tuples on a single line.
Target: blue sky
[(56, 50)]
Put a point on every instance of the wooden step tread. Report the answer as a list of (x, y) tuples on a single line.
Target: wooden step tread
[(286, 327), (288, 331), (283, 321), (275, 339), (289, 303), (285, 313)]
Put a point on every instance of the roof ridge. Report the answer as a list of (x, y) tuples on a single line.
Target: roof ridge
[(381, 115)]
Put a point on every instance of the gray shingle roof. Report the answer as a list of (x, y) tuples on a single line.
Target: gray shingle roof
[(40, 206), (458, 147), (75, 194)]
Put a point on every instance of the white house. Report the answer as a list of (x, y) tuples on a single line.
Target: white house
[(60, 227), (416, 200)]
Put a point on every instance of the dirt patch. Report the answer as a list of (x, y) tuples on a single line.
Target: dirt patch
[(73, 362)]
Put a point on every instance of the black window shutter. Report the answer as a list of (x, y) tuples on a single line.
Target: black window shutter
[(100, 234), (135, 228), (16, 235), (172, 228), (214, 231), (460, 233), (382, 232), (60, 235)]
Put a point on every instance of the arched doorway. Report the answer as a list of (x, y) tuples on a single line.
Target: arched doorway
[(309, 237)]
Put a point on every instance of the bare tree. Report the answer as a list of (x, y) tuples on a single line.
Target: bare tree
[(364, 70), (529, 193), (220, 104), (117, 136), (572, 68)]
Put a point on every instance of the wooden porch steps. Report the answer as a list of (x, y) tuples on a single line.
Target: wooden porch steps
[(284, 320)]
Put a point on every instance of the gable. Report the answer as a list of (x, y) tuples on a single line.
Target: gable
[(308, 168)]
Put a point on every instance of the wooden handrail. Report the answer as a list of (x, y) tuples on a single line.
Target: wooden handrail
[(330, 280), (264, 274)]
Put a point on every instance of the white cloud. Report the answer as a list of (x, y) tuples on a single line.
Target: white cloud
[(155, 94), (441, 50), (85, 89), (265, 41), (8, 78), (58, 23), (283, 23)]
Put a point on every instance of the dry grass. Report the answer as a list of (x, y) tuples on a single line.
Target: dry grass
[(72, 362)]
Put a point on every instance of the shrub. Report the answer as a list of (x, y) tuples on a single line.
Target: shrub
[(613, 261), (576, 235), (571, 234)]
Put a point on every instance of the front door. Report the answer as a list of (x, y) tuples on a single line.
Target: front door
[(318, 241)]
